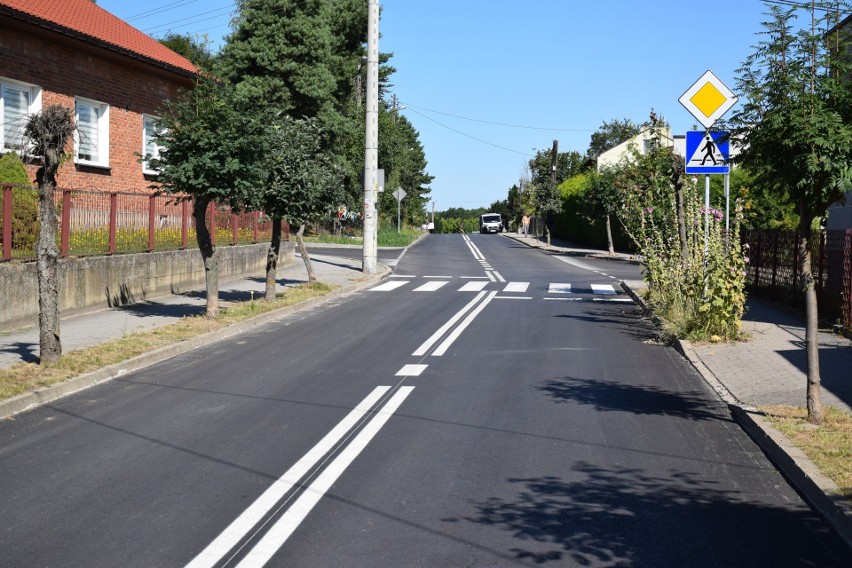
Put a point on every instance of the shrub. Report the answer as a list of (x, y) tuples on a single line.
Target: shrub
[(25, 224)]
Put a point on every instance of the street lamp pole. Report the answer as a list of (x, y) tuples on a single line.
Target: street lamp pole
[(371, 141)]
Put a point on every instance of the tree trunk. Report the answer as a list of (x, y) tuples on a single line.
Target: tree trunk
[(806, 279), (609, 236), (303, 250), (272, 259), (47, 264), (208, 256)]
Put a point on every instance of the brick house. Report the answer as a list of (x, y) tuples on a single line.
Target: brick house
[(113, 76)]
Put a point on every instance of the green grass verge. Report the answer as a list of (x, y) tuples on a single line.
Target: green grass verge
[(828, 445)]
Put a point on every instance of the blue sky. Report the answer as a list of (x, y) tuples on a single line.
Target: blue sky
[(554, 69)]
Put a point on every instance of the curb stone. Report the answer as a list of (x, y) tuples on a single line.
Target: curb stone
[(820, 492), (33, 399)]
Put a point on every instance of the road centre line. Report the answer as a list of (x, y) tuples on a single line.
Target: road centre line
[(499, 277), (411, 370), (427, 345), (462, 326), (284, 527), (243, 524)]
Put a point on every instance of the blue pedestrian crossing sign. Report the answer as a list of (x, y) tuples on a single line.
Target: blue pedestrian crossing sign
[(707, 152)]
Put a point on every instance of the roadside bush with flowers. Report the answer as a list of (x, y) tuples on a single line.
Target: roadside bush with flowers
[(695, 285)]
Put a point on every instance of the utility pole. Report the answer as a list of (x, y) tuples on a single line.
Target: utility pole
[(554, 154), (371, 141)]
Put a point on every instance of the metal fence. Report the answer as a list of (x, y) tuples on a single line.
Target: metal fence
[(773, 269), (96, 223)]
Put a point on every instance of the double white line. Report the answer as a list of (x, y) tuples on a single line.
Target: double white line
[(472, 309), (248, 524), (492, 274)]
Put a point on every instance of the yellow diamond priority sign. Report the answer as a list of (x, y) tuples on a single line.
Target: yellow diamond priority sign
[(708, 99)]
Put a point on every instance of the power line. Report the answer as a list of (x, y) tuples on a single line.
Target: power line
[(159, 10), (468, 135), (499, 123), (194, 19)]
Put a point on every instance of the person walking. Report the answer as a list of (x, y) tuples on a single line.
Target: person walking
[(525, 220)]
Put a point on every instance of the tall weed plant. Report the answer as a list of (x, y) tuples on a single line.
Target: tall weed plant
[(696, 280)]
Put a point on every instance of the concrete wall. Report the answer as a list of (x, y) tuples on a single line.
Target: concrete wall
[(107, 281)]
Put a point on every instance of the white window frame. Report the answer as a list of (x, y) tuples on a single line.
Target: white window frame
[(100, 139), (33, 107), (148, 121)]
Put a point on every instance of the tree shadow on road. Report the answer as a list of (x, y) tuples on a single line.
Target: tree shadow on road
[(623, 516), (637, 399)]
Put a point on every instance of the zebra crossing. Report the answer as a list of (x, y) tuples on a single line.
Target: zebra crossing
[(554, 290)]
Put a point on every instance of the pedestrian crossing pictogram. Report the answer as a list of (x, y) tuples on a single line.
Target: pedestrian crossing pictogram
[(707, 152)]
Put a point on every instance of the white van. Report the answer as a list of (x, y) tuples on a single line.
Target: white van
[(490, 223)]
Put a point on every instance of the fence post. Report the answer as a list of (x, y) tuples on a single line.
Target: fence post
[(184, 224), (796, 260), (847, 279), (774, 261), (113, 220), (757, 255), (65, 229), (7, 222), (255, 218), (235, 228), (152, 223)]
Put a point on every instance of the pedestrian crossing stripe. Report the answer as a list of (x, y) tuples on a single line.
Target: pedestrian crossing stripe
[(431, 286), (554, 288)]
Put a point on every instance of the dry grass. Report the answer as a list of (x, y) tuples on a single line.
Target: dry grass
[(828, 445), (26, 377)]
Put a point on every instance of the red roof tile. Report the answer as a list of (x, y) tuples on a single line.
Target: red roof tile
[(87, 18)]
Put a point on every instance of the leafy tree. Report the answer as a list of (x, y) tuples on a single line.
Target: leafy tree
[(796, 130), (303, 186), (611, 134), (297, 57), (193, 47), (213, 152), (47, 134)]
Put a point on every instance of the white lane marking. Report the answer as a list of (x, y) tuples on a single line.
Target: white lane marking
[(442, 348), (473, 250), (519, 287), (402, 276), (521, 298), (241, 526), (491, 276), (473, 277), (388, 286), (577, 263), (473, 286), (411, 371), (566, 299), (602, 289), (559, 288), (499, 277), (621, 300), (427, 345), (440, 277), (431, 286), (273, 540)]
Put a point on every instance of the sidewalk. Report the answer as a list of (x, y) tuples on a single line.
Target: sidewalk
[(86, 330), (768, 369)]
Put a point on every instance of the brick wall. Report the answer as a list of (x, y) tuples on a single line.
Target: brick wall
[(65, 68)]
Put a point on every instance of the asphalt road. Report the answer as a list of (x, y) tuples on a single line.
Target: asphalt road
[(488, 405)]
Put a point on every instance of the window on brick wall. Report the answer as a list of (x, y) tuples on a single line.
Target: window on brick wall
[(17, 101), (150, 125), (91, 139)]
